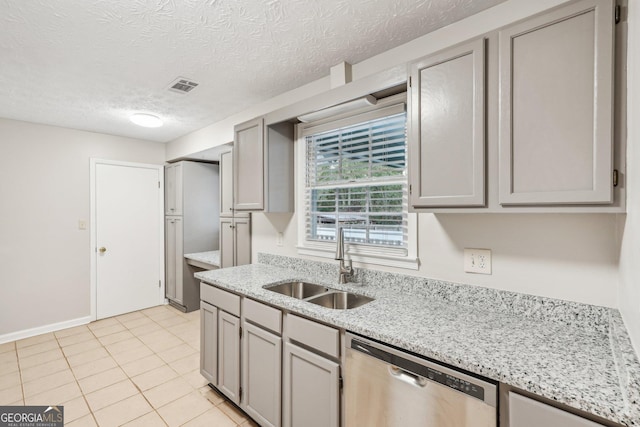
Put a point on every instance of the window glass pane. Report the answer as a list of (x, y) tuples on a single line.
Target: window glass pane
[(356, 179)]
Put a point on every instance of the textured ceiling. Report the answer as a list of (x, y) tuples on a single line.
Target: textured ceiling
[(88, 64)]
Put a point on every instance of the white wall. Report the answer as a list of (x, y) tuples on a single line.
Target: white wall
[(567, 256), (44, 188), (629, 224)]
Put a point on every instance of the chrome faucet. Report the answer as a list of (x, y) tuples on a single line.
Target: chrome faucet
[(346, 271)]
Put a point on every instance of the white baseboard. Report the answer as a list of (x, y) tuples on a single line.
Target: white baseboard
[(14, 336)]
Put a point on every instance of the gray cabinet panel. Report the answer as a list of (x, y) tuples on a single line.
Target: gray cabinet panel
[(242, 241), (227, 245), (173, 189), (235, 241), (226, 184), (525, 412), (447, 128), (556, 107), (248, 165), (209, 342), (229, 355), (174, 259), (261, 375), (311, 389)]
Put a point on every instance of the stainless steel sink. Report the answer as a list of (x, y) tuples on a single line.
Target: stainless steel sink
[(340, 300), (299, 290)]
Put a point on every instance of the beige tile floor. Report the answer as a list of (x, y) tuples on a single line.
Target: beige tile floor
[(137, 369)]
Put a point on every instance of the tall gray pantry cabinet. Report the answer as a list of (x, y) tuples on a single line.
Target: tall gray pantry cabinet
[(191, 225)]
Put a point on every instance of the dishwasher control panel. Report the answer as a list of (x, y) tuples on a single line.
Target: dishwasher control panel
[(419, 369)]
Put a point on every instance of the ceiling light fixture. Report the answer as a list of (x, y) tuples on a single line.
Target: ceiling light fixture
[(146, 120)]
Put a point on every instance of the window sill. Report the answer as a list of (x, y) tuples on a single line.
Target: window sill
[(406, 262)]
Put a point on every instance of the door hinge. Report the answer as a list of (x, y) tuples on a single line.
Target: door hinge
[(615, 177), (410, 81), (158, 184), (340, 383), (240, 394), (240, 331), (617, 14), (410, 188), (159, 283)]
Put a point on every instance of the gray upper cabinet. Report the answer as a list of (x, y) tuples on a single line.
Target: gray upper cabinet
[(446, 128), (263, 167), (226, 184), (173, 189), (248, 165), (556, 107)]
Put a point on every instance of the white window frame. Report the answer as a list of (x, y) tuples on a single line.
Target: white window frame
[(406, 258)]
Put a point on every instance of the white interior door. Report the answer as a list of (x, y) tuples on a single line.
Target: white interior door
[(128, 238)]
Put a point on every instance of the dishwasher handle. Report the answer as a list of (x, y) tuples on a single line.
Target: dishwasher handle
[(408, 377)]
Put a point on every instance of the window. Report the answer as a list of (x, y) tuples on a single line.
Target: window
[(355, 177)]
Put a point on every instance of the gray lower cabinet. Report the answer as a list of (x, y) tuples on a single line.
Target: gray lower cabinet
[(556, 107), (229, 356), (209, 342), (311, 389), (261, 375), (525, 412), (447, 128)]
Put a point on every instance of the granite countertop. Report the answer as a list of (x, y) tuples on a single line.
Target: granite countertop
[(576, 354), (210, 257)]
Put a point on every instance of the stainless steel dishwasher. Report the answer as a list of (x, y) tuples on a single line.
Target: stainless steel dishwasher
[(387, 387)]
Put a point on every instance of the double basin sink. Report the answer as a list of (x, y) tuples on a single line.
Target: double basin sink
[(320, 295)]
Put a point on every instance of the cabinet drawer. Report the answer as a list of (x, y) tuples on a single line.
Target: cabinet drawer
[(320, 337), (222, 299), (262, 315)]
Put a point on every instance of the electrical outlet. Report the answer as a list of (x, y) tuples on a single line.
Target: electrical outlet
[(477, 261), (82, 224)]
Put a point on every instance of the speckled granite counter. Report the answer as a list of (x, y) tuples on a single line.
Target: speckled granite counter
[(576, 354), (210, 257)]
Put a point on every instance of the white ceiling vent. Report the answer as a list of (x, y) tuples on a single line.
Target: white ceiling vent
[(182, 85)]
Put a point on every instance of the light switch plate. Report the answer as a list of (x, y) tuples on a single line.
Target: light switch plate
[(477, 261), (82, 224)]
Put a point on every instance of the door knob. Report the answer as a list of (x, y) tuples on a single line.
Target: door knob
[(102, 250)]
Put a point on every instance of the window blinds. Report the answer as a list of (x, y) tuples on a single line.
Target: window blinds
[(356, 179)]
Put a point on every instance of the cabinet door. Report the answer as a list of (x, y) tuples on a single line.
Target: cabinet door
[(248, 166), (173, 258), (226, 184), (227, 242), (525, 412), (170, 258), (556, 107), (261, 375), (311, 389), (229, 355), (447, 128), (209, 342), (242, 241), (169, 189), (173, 189)]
